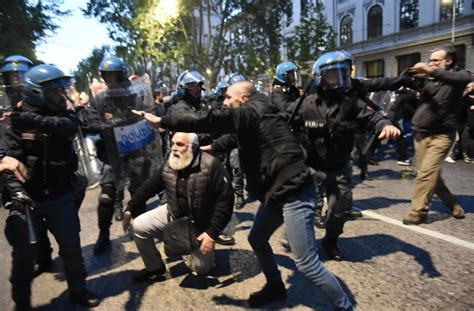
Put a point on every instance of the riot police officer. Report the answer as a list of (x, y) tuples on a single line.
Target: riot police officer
[(41, 135), (331, 114), (109, 113), (13, 71), (284, 91)]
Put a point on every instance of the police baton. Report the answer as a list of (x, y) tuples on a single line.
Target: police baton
[(27, 204), (31, 230)]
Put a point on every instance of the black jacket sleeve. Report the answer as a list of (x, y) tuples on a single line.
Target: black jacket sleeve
[(220, 181), (66, 124), (225, 143), (151, 187), (374, 120), (380, 84), (458, 78)]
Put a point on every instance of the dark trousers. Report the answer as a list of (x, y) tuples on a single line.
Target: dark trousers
[(59, 215), (337, 184)]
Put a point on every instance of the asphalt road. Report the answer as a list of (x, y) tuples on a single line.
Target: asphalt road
[(388, 266)]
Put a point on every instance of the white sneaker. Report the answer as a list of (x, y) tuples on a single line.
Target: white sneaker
[(449, 160)]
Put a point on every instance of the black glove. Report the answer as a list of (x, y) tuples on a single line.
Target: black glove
[(21, 201)]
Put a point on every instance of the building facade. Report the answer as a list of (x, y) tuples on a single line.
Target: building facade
[(387, 36)]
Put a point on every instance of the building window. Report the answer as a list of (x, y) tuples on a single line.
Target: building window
[(446, 9), (375, 69), (346, 30), (408, 14), (407, 60), (374, 22), (461, 51)]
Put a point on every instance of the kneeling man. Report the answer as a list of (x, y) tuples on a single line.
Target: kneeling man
[(193, 181)]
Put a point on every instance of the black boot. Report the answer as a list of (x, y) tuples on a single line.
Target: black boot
[(269, 293), (330, 246), (320, 220), (118, 212), (225, 239), (84, 298), (239, 202), (103, 243), (145, 275), (365, 176)]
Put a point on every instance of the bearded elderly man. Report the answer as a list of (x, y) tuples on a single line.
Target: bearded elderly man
[(193, 181)]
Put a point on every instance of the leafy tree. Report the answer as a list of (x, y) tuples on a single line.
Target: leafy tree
[(312, 37), (87, 68), (25, 24)]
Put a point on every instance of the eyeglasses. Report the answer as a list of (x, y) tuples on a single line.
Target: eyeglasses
[(436, 60)]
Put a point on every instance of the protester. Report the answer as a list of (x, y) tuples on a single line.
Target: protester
[(196, 184), (434, 124)]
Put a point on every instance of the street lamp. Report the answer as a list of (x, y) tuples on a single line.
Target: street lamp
[(454, 17)]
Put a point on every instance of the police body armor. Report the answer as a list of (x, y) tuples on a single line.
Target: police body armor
[(330, 130)]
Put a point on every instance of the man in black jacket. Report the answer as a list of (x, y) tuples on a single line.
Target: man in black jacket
[(273, 162), (196, 184), (434, 124)]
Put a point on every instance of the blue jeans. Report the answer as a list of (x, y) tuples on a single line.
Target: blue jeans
[(298, 216)]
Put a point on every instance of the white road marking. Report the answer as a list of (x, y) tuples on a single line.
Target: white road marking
[(418, 229)]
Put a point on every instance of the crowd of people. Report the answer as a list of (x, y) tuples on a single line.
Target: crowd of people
[(291, 150)]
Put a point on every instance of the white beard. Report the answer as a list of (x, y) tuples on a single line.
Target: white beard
[(179, 161)]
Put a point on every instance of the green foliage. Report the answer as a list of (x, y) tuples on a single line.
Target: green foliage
[(24, 24), (87, 68), (312, 37)]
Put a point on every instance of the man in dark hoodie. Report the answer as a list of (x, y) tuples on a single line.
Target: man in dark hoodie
[(273, 162)]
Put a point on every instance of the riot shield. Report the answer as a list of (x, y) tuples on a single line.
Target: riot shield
[(130, 142)]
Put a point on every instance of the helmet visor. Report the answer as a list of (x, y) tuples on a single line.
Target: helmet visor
[(335, 78), (57, 99), (292, 77), (14, 79)]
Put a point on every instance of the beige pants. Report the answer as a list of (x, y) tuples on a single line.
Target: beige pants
[(430, 152), (147, 227)]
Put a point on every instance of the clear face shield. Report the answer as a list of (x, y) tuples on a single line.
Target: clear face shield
[(292, 77), (335, 79), (112, 78), (58, 99), (194, 88), (14, 80)]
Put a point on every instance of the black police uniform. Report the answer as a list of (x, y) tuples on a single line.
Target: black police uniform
[(44, 144)]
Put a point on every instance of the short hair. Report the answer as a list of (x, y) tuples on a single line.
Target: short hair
[(245, 87), (451, 53)]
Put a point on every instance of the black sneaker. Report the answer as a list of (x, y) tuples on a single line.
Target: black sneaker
[(145, 275), (224, 239), (85, 298), (269, 293), (102, 245), (331, 249)]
